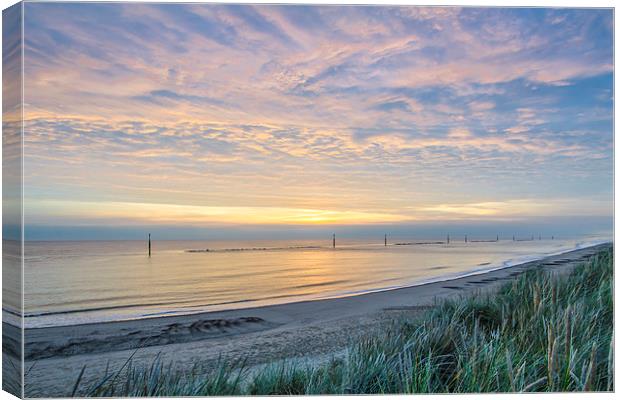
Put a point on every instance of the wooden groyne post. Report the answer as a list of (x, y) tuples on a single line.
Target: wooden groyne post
[(465, 238), (334, 240), (448, 239), (149, 244), (385, 240), (497, 238)]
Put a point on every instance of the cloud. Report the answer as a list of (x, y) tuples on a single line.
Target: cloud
[(517, 129), (366, 109), (156, 96), (481, 105), (523, 208), (460, 134)]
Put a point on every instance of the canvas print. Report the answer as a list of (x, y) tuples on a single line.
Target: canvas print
[(251, 199)]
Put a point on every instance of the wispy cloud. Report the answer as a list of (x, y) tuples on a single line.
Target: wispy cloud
[(350, 110)]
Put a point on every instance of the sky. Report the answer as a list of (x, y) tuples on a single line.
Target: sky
[(197, 120)]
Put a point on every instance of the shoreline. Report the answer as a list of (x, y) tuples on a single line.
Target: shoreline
[(263, 303), (55, 355)]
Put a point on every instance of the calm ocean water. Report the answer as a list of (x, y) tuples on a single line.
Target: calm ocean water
[(78, 282)]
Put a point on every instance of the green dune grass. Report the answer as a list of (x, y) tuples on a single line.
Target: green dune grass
[(540, 332)]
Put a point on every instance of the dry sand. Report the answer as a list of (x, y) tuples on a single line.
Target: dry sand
[(312, 330)]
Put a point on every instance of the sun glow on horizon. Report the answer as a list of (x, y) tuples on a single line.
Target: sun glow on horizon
[(59, 211), (196, 215)]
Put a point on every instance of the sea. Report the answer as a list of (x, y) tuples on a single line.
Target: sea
[(78, 282)]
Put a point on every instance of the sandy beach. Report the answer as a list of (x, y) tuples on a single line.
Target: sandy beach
[(312, 331)]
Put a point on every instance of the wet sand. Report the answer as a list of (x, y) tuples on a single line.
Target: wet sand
[(305, 330)]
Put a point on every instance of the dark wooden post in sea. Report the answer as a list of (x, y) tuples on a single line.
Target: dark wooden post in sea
[(497, 238), (551, 237), (448, 239), (385, 240), (465, 238), (334, 240), (539, 237), (513, 238), (149, 244)]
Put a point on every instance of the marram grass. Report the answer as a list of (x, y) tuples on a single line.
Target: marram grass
[(539, 333)]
